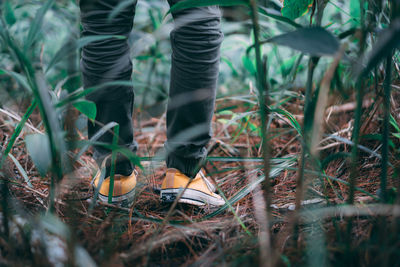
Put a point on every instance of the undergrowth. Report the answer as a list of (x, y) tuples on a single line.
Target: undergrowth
[(309, 94)]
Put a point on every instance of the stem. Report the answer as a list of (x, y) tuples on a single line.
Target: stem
[(265, 242), (4, 205), (263, 89), (358, 113), (385, 131), (113, 162), (312, 63)]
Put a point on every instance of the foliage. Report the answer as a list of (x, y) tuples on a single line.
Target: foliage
[(293, 9), (286, 69)]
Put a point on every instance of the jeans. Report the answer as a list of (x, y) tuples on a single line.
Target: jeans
[(195, 41)]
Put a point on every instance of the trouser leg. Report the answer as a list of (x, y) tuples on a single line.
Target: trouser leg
[(195, 41), (106, 61)]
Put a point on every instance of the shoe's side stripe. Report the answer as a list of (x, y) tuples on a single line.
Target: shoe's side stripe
[(190, 189), (122, 197), (170, 179), (193, 194)]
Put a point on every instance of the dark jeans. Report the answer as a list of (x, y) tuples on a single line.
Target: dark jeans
[(195, 41)]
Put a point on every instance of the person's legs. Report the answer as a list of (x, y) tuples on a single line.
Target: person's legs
[(106, 61), (196, 42)]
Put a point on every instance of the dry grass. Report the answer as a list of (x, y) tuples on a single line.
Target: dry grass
[(117, 236)]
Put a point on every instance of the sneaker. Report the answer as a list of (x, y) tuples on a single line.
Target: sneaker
[(124, 188), (199, 192)]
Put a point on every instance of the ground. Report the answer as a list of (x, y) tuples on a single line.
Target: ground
[(204, 236)]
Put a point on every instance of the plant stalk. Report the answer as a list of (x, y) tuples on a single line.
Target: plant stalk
[(263, 90), (385, 130)]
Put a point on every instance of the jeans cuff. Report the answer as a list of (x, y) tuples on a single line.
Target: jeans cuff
[(188, 166), (123, 165)]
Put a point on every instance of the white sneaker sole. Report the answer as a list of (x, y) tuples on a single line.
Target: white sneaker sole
[(123, 201), (190, 196)]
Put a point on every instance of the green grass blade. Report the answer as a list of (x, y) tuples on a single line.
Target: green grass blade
[(69, 48), (18, 77), (21, 170), (196, 3), (95, 137), (17, 132), (290, 117), (82, 93), (113, 163), (37, 23), (119, 8)]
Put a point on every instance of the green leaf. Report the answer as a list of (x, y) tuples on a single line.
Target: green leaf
[(120, 7), (87, 108), (287, 65), (78, 94), (388, 40), (37, 24), (9, 13), (230, 65), (95, 137), (394, 123), (249, 65), (315, 41), (355, 11), (270, 13), (21, 170), (38, 147), (196, 3), (290, 117), (293, 9)]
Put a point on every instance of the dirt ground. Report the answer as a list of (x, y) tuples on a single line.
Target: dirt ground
[(115, 236)]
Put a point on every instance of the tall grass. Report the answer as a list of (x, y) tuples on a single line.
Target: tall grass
[(293, 56)]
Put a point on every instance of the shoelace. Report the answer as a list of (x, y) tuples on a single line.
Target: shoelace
[(210, 186)]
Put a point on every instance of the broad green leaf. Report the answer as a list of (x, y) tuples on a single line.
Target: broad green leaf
[(270, 13), (293, 9), (315, 41), (38, 147), (87, 108), (196, 3), (68, 48), (226, 112), (355, 11), (9, 13), (36, 25)]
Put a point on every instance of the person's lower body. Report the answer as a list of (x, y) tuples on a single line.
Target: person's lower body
[(195, 42)]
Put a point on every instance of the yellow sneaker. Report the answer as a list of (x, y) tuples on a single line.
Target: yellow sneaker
[(124, 188), (199, 192)]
